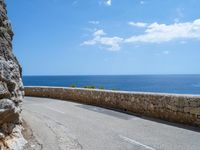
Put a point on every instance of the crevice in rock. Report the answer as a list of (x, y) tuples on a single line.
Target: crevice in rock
[(11, 87)]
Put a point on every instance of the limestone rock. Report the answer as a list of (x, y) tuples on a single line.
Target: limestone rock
[(11, 87)]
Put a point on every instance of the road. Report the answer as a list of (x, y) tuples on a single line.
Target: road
[(61, 125)]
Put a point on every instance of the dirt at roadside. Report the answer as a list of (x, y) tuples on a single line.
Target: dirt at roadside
[(32, 144)]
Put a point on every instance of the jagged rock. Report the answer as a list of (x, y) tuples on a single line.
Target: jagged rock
[(15, 141), (11, 87), (2, 136)]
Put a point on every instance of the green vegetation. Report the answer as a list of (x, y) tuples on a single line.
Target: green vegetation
[(92, 87), (73, 86), (102, 88), (89, 87), (114, 89)]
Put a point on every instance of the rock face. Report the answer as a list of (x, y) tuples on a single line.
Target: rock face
[(11, 87)]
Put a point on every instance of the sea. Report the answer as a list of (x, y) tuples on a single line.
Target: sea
[(179, 84)]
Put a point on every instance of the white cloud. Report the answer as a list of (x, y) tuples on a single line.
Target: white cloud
[(99, 33), (94, 22), (105, 2), (142, 2), (112, 43), (153, 33), (138, 24), (158, 33), (108, 2)]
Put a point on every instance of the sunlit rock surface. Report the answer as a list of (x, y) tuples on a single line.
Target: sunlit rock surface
[(11, 87)]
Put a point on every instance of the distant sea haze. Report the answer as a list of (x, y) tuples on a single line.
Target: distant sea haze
[(180, 84)]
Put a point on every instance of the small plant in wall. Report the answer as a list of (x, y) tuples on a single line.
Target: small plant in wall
[(89, 87), (73, 86)]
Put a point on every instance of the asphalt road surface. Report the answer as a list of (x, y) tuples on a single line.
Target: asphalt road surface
[(61, 125)]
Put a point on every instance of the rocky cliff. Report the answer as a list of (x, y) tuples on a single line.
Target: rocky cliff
[(11, 87)]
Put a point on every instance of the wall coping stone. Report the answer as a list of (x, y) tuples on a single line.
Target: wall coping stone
[(120, 91)]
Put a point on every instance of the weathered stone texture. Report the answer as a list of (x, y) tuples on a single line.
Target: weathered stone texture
[(171, 107), (11, 87)]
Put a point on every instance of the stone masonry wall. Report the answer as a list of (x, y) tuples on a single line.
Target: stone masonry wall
[(171, 107), (11, 87)]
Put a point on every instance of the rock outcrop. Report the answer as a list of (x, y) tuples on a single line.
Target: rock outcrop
[(11, 87)]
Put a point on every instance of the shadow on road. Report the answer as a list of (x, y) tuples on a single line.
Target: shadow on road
[(129, 115), (109, 112)]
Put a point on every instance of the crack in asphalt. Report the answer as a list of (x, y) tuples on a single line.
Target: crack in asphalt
[(65, 142)]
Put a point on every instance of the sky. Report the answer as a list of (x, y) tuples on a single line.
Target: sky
[(106, 37)]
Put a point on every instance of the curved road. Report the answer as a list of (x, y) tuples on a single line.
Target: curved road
[(61, 125)]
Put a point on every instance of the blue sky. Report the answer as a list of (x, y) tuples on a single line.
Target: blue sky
[(95, 37)]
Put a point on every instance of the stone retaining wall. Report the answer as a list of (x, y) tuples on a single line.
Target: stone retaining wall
[(171, 107)]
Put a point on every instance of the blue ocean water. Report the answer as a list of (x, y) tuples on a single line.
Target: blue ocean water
[(180, 84)]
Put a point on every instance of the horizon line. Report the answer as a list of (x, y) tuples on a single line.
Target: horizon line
[(113, 74)]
